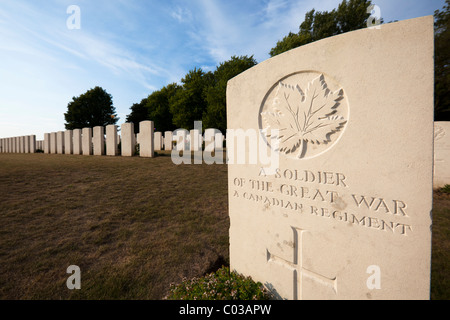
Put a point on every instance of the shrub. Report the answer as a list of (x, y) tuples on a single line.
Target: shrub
[(221, 285)]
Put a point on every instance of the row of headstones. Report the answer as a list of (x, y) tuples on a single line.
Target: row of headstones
[(23, 144), (92, 141)]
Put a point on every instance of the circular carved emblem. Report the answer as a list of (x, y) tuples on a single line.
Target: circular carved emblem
[(304, 114)]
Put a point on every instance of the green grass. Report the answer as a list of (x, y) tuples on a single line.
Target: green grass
[(132, 225)]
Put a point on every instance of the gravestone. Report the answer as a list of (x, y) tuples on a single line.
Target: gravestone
[(128, 140), (99, 141), (46, 142), (158, 141), (441, 154), (77, 142), (168, 138), (60, 142), (68, 142), (146, 144), (111, 140), (27, 144), (86, 141), (53, 149), (346, 214), (33, 145)]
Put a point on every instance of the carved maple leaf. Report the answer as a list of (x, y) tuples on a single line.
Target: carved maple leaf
[(302, 117)]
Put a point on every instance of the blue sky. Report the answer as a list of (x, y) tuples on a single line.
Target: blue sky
[(133, 47)]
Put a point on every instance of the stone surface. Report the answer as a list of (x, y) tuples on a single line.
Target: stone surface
[(99, 141), (68, 142), (441, 154), (46, 142), (346, 215), (77, 142), (158, 141), (146, 143), (53, 149), (60, 142), (111, 141), (86, 141), (168, 138), (128, 139)]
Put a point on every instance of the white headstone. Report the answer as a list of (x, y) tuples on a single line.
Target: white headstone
[(111, 140), (158, 141), (346, 214), (146, 146), (99, 141), (168, 138), (128, 139), (87, 141), (77, 142), (68, 142)]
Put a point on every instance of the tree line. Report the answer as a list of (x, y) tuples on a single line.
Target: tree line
[(202, 95)]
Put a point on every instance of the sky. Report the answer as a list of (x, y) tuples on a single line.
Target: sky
[(50, 53)]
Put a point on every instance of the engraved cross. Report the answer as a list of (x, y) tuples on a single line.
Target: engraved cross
[(297, 267)]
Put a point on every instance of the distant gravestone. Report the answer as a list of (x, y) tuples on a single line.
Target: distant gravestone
[(68, 142), (146, 143), (441, 154), (111, 141), (346, 214), (33, 144), (87, 141), (53, 149), (128, 139), (158, 141), (60, 142), (99, 141), (168, 138), (77, 142), (46, 142)]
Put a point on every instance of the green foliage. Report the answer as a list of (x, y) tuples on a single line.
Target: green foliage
[(221, 285), (350, 15), (158, 107), (445, 189), (91, 109), (139, 112), (442, 63), (188, 104), (202, 96), (216, 93)]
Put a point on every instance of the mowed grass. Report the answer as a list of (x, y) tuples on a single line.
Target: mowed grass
[(132, 225)]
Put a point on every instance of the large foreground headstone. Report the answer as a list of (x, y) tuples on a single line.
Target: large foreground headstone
[(346, 214)]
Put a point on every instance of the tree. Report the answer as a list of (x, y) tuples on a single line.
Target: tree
[(188, 104), (215, 94), (442, 63), (158, 107), (350, 15), (139, 112), (91, 109)]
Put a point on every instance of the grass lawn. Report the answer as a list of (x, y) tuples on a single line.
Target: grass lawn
[(132, 225)]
